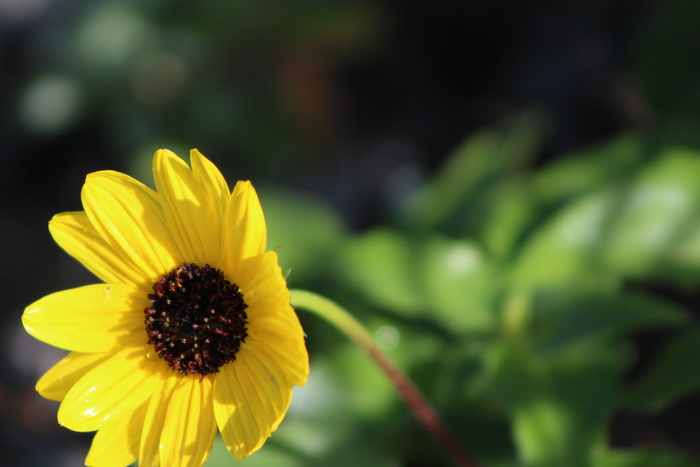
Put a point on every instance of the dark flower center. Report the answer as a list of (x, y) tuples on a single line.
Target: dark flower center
[(197, 319)]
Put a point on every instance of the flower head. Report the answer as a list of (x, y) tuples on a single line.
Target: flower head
[(191, 330)]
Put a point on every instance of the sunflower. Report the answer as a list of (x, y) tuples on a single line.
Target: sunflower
[(191, 330)]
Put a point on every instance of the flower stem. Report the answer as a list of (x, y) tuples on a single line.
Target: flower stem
[(347, 324)]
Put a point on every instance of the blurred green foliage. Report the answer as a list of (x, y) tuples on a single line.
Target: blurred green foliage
[(517, 294)]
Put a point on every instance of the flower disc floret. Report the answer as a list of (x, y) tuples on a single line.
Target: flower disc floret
[(197, 319)]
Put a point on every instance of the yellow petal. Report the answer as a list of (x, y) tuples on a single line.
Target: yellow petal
[(190, 427), (128, 215), (269, 381), (284, 349), (117, 443), (74, 232), (194, 221), (272, 321), (243, 419), (260, 276), (216, 193), (288, 350), (149, 454), (245, 233), (63, 375), (92, 318), (240, 431), (210, 180), (120, 384)]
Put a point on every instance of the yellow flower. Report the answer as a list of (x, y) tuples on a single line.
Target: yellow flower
[(191, 330)]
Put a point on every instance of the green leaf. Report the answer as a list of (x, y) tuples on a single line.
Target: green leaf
[(561, 403), (646, 226), (512, 374), (654, 222), (304, 231), (384, 267), (589, 169), (564, 247), (511, 207), (570, 418), (568, 315), (481, 157), (459, 283), (435, 277)]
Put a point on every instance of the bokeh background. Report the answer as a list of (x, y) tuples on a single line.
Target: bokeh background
[(506, 193)]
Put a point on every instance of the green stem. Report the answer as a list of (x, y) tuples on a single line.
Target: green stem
[(347, 324)]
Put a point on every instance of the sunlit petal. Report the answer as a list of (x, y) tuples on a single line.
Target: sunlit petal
[(74, 232), (274, 324), (192, 218), (190, 427), (120, 384), (93, 318), (265, 378), (128, 215), (210, 179), (117, 443), (215, 191), (261, 276), (235, 416), (245, 233), (288, 352), (63, 375), (151, 446)]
